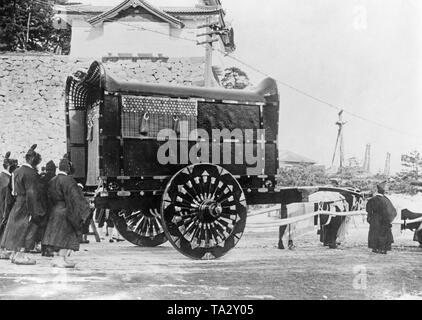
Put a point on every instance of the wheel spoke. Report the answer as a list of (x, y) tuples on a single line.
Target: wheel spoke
[(142, 226), (206, 211)]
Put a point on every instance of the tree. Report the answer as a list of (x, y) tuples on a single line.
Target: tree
[(27, 25), (235, 78), (412, 163), (302, 175)]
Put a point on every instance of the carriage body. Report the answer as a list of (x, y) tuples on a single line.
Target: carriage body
[(176, 163), (104, 139)]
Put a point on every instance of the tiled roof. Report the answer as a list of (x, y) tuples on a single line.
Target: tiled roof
[(291, 157), (136, 3), (191, 10), (82, 8), (94, 10)]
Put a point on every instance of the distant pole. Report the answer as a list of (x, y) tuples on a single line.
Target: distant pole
[(367, 161), (368, 168), (208, 58), (340, 123), (387, 165)]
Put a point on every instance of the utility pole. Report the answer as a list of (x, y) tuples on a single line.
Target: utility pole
[(340, 123), (208, 57), (211, 30), (367, 161), (387, 165)]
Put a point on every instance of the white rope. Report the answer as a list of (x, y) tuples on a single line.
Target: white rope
[(288, 221), (264, 211)]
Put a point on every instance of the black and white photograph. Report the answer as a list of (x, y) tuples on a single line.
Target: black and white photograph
[(211, 154)]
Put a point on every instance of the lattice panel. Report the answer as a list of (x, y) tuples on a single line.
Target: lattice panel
[(83, 89), (147, 116)]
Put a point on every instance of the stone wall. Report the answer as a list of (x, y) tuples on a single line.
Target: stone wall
[(32, 96)]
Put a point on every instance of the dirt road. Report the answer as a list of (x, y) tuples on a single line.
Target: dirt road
[(255, 269)]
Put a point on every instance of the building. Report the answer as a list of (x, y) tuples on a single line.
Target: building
[(140, 28), (290, 159)]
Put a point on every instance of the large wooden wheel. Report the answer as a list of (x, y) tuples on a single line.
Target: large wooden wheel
[(203, 211), (142, 226)]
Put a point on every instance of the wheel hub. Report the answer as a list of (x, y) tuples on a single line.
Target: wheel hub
[(209, 210)]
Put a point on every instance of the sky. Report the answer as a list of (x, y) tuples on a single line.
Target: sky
[(361, 55)]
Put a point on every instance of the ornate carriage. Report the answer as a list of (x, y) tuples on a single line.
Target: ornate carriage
[(176, 163)]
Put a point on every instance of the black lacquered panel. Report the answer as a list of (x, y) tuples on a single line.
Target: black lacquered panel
[(110, 121), (227, 116), (77, 126), (111, 157), (141, 159), (271, 120), (78, 157), (271, 159)]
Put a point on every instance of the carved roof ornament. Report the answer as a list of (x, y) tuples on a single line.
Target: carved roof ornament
[(136, 3)]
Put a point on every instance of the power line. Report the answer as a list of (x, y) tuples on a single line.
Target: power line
[(310, 96), (283, 83), (304, 93), (328, 104)]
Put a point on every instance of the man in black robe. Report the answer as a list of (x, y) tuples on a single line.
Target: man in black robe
[(27, 211), (68, 210), (381, 214), (329, 232), (48, 173), (6, 198)]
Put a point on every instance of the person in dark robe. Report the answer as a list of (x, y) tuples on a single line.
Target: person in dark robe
[(47, 174), (381, 214), (85, 227), (6, 198), (27, 211), (68, 210), (329, 232)]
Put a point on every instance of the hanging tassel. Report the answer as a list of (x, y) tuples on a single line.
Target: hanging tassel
[(90, 135), (143, 128), (90, 123)]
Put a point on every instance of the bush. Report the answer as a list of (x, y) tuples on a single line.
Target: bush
[(302, 176)]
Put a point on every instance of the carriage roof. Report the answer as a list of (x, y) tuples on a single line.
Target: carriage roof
[(81, 88)]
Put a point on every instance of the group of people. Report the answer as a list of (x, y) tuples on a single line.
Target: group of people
[(380, 216), (46, 210)]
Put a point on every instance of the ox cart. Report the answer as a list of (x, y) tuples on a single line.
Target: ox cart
[(177, 163)]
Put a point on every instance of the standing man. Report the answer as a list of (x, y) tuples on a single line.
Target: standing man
[(68, 210), (381, 214), (6, 198), (27, 211), (48, 174)]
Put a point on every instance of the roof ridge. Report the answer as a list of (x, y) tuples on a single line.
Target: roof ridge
[(135, 3)]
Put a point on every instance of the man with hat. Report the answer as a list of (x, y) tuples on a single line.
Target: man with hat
[(6, 198), (381, 214), (67, 212), (27, 211), (48, 173)]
